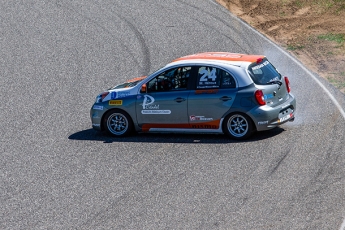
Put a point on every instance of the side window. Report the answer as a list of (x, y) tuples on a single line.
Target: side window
[(170, 80), (207, 78), (227, 81), (211, 77)]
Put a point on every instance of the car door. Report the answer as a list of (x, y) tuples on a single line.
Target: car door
[(213, 96), (164, 105)]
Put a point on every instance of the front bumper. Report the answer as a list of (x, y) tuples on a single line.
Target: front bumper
[(266, 117), (96, 113)]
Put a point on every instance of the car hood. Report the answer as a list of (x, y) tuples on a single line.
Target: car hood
[(124, 90)]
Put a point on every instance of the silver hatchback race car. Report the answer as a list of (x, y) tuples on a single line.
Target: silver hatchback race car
[(213, 92)]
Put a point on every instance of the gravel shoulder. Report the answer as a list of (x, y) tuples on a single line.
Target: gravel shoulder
[(313, 31)]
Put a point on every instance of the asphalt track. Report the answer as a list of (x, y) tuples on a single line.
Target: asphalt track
[(57, 173)]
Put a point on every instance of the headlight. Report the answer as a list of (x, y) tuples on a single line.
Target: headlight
[(100, 97)]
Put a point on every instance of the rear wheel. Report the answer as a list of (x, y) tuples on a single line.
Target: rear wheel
[(118, 123), (238, 126)]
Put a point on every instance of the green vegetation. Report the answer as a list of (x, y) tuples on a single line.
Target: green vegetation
[(299, 4), (338, 5), (327, 4), (293, 47), (339, 38), (338, 82)]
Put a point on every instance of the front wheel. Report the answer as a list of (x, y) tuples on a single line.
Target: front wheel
[(238, 126), (118, 123)]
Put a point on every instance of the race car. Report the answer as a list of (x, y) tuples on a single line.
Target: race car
[(211, 92)]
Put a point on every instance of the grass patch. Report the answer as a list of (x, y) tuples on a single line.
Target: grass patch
[(339, 38), (324, 4), (299, 4), (340, 4), (294, 47), (328, 4), (339, 81)]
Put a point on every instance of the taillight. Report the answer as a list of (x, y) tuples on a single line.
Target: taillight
[(259, 96), (287, 83)]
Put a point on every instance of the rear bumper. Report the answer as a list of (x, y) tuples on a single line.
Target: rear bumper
[(266, 117)]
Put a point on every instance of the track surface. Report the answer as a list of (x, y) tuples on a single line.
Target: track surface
[(57, 173)]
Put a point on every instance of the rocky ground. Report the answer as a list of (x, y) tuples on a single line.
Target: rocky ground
[(312, 30)]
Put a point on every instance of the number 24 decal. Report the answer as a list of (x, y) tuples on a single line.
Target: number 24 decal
[(208, 75)]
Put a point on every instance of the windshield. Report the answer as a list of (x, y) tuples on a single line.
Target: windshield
[(130, 83), (264, 73)]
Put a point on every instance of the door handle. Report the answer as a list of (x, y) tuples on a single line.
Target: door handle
[(225, 98), (179, 99)]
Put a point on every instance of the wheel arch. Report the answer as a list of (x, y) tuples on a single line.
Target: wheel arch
[(235, 133), (113, 110), (242, 112)]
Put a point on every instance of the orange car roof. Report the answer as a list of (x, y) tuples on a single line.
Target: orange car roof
[(222, 56)]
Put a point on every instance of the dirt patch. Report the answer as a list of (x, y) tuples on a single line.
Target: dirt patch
[(312, 30)]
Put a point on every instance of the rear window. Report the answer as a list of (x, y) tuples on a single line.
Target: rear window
[(263, 73)]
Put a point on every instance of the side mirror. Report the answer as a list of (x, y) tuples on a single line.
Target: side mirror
[(143, 89)]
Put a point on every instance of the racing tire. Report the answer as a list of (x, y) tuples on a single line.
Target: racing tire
[(238, 126), (118, 123)]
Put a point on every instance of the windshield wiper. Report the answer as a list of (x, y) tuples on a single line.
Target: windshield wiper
[(275, 82)]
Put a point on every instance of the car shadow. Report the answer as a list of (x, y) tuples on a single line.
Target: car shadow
[(93, 135)]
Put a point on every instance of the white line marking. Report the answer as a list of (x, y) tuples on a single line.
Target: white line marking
[(335, 102), (342, 225)]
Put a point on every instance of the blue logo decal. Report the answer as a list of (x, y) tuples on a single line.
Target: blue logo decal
[(113, 95), (268, 96)]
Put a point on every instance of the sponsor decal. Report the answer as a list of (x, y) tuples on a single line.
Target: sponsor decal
[(121, 94), (148, 101), (200, 118), (97, 107), (115, 102), (206, 91), (268, 96), (262, 122), (208, 77), (260, 66), (155, 112), (96, 125), (285, 118), (204, 126), (150, 108)]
